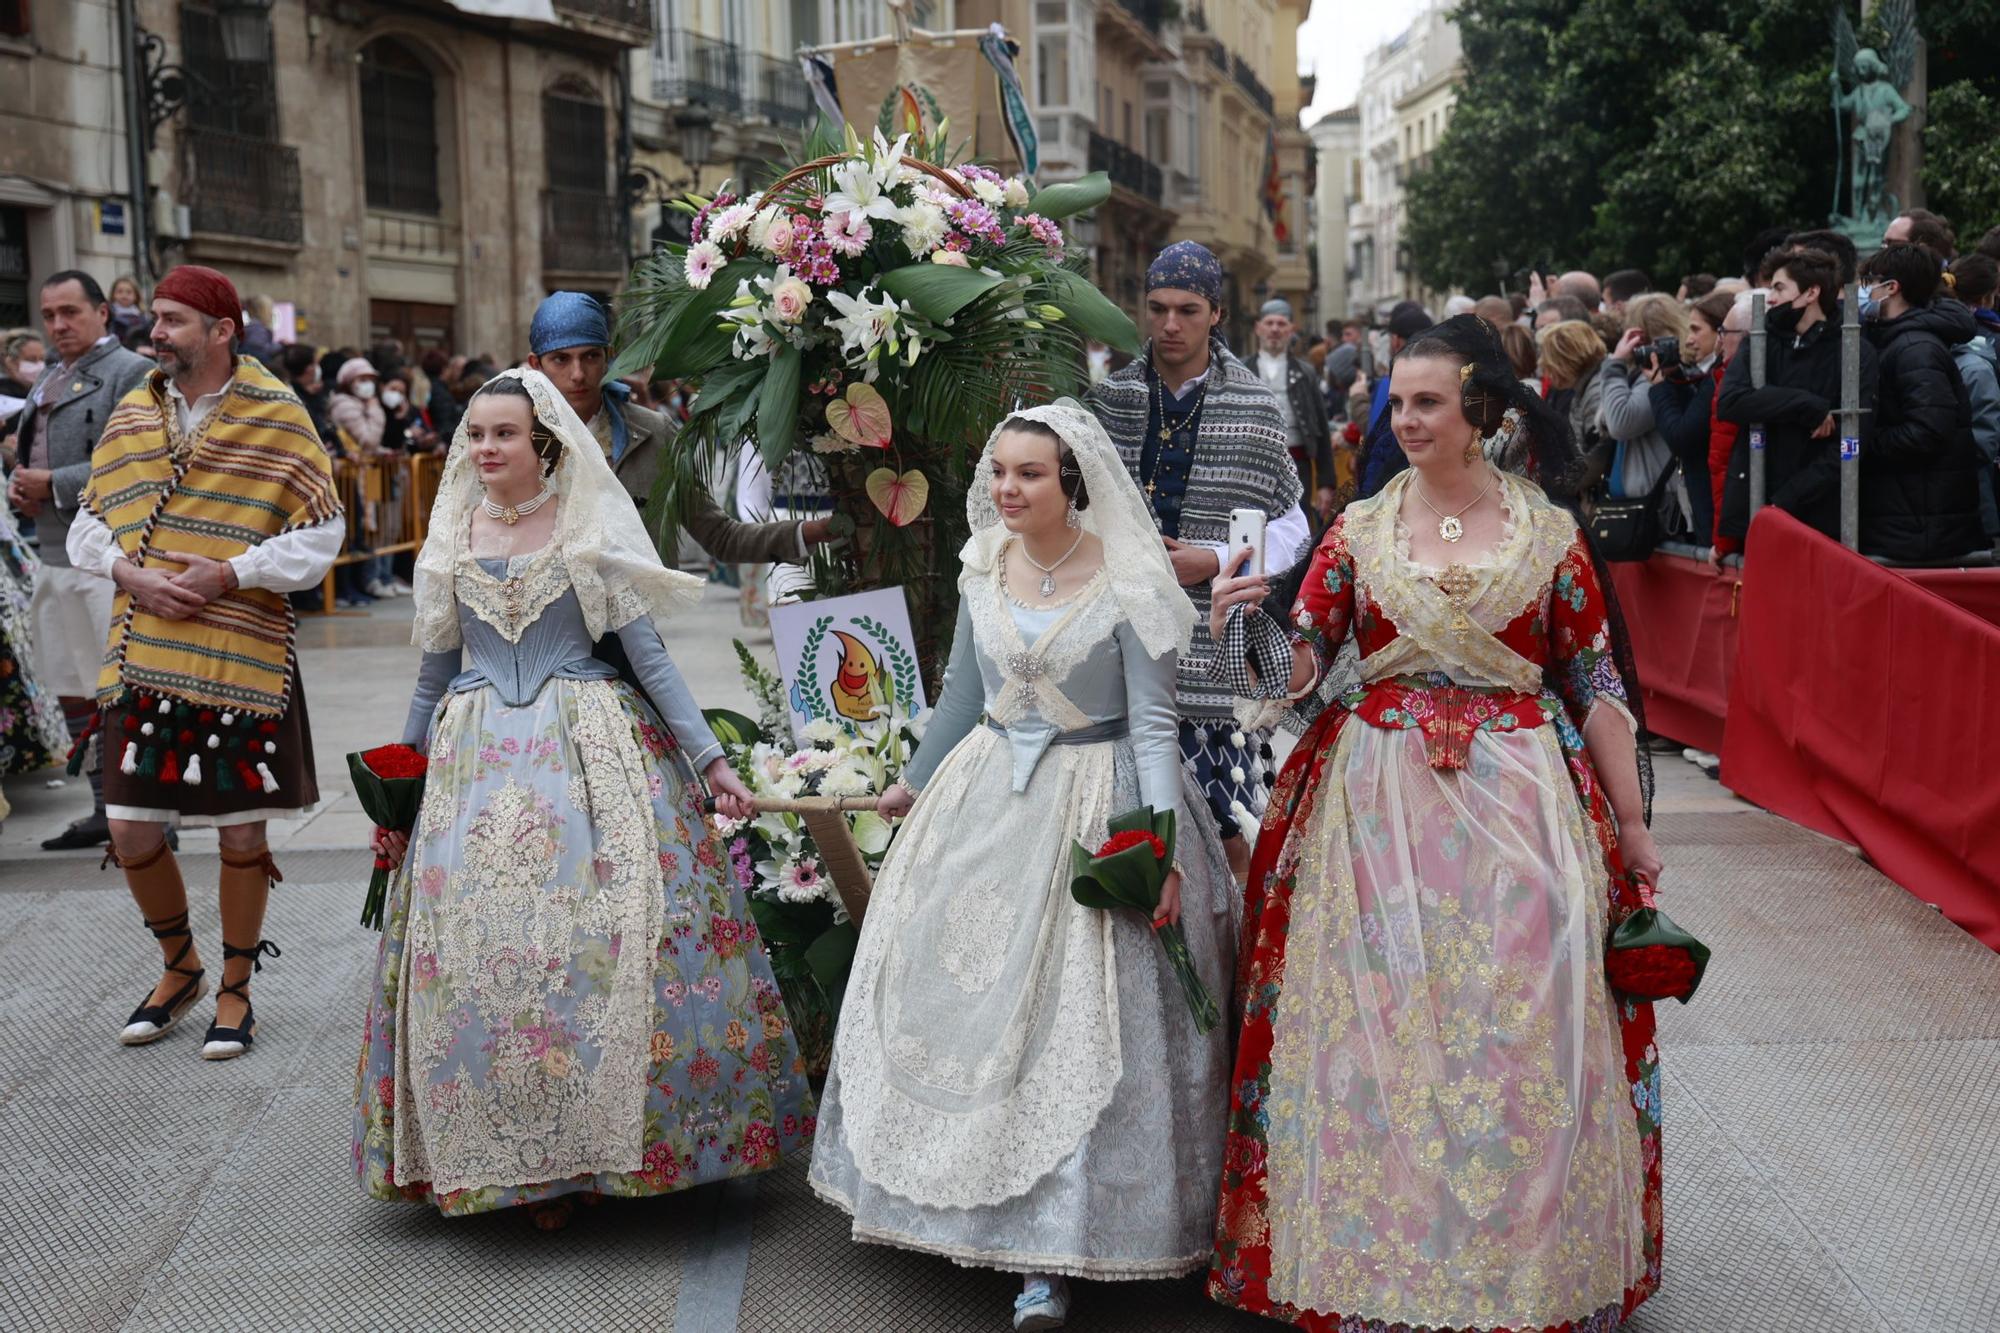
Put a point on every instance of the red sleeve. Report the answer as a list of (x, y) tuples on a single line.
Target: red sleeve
[(1326, 599)]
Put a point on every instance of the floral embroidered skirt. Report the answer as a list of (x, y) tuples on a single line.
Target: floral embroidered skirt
[(1441, 1117), (570, 994)]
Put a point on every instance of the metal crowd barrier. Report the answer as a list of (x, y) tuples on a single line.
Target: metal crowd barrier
[(388, 502)]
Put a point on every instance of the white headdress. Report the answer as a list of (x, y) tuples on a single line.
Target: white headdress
[(1135, 559), (601, 540)]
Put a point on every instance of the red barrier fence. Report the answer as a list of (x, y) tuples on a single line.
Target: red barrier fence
[(1859, 701)]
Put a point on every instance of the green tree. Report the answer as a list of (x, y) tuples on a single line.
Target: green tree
[(1663, 134)]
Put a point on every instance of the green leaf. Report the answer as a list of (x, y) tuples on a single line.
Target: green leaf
[(778, 408), (692, 341), (1093, 314), (721, 386), (831, 957), (938, 291), (790, 925), (732, 728), (1072, 197)]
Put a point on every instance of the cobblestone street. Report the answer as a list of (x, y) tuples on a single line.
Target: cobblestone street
[(1828, 1107)]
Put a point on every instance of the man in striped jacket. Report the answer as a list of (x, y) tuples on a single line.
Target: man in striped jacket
[(1202, 435), (210, 498)]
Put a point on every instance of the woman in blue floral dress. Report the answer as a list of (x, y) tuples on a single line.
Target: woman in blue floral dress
[(571, 998)]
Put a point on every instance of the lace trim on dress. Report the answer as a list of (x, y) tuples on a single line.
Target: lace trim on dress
[(1454, 628), (506, 911), (969, 1103), (512, 603)]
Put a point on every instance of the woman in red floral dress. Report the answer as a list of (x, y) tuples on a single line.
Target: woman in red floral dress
[(1441, 1117)]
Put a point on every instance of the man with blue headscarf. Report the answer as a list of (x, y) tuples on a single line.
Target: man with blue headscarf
[(569, 340), (1202, 435)]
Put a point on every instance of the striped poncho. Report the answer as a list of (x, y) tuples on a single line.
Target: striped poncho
[(1242, 461), (254, 468)]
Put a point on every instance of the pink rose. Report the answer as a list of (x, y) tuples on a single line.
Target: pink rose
[(789, 300)]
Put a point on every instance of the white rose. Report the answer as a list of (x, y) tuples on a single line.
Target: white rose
[(989, 193), (1015, 192), (951, 257), (789, 300)]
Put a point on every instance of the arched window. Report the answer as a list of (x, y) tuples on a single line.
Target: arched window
[(399, 132)]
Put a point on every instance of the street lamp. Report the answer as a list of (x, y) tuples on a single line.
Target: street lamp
[(245, 28)]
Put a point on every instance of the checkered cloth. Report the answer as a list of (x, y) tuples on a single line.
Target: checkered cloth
[(1252, 639)]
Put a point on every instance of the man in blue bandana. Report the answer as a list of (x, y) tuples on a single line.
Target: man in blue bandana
[(1202, 435), (569, 340)]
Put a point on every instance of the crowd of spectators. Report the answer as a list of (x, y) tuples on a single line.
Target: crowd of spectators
[(1658, 387)]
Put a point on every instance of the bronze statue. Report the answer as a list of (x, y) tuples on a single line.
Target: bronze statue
[(1866, 86)]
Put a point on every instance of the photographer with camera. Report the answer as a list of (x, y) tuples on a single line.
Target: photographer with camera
[(1641, 459), (1682, 394)]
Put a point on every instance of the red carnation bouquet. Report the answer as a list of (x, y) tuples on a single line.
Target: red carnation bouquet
[(1130, 870), (390, 782), (1651, 958)]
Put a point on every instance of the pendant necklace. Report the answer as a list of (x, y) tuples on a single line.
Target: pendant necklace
[(1449, 526), (512, 514), (1048, 588)]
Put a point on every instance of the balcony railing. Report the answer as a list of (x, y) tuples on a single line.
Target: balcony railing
[(1124, 166), (778, 92), (728, 80), (241, 186), (409, 234), (580, 232), (1152, 14), (1247, 80)]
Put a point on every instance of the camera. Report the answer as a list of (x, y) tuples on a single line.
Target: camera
[(1665, 351)]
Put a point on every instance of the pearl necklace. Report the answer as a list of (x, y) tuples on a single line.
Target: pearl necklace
[(1048, 587), (512, 514)]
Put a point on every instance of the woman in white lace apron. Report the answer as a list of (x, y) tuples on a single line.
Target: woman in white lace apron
[(571, 998), (1017, 1083)]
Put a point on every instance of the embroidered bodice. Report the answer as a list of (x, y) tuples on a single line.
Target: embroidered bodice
[(1039, 674), (522, 626)]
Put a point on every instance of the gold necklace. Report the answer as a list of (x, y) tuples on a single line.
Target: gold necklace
[(1449, 526)]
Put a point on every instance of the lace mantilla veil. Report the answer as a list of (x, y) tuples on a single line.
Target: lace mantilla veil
[(1135, 560), (599, 537)]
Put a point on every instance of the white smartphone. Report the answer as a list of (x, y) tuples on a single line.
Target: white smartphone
[(1246, 528)]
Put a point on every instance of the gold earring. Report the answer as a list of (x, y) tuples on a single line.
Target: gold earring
[(1473, 451)]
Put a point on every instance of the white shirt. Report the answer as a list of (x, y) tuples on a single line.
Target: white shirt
[(289, 562), (1277, 374)]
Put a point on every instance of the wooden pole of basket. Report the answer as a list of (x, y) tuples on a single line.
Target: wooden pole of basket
[(826, 819)]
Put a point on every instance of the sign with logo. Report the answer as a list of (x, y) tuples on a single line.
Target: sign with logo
[(1850, 448), (845, 658)]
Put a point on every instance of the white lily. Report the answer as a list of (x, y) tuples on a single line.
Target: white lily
[(858, 190), (863, 324)]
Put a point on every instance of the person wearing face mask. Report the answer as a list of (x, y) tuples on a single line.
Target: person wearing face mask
[(359, 425), (1797, 404), (21, 364), (1920, 469), (405, 428)]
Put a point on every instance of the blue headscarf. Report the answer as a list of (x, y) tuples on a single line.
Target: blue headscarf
[(576, 319), (1187, 266)]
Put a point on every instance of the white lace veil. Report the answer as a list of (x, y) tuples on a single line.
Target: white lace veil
[(1135, 559), (612, 563)]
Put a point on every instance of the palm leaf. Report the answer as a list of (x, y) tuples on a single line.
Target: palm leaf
[(778, 408)]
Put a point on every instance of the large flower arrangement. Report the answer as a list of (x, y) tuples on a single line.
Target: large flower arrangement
[(882, 308), (799, 915)]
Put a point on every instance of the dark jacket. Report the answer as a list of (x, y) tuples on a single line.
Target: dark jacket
[(1381, 457), (1681, 414), (1801, 386), (1312, 438), (1919, 473)]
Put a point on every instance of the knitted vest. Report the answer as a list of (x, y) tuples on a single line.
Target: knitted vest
[(252, 470), (1242, 461)]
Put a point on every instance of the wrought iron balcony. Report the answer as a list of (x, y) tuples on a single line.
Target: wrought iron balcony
[(778, 92), (241, 186), (1247, 80), (1124, 166), (688, 67), (580, 232)]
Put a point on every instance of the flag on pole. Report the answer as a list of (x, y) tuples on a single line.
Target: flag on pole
[(818, 71), (1019, 124), (1274, 190)]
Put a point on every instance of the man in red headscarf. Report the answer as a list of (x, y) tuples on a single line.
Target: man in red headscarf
[(210, 498)]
